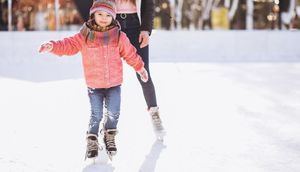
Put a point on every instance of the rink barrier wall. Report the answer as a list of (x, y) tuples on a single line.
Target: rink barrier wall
[(181, 46), (20, 57), (226, 46)]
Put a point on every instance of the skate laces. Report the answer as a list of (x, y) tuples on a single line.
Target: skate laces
[(110, 141), (92, 144)]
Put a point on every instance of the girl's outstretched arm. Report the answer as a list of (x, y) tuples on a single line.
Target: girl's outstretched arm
[(68, 46)]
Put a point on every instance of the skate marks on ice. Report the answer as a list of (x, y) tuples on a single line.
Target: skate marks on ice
[(151, 158)]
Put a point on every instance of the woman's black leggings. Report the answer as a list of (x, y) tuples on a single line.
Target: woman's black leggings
[(130, 24)]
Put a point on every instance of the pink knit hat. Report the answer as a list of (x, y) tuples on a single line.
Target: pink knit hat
[(108, 6)]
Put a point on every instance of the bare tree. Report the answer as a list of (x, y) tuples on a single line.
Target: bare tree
[(232, 9), (249, 16)]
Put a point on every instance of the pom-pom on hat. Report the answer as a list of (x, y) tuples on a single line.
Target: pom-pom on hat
[(108, 6)]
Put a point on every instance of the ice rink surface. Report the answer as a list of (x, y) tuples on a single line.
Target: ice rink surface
[(218, 117)]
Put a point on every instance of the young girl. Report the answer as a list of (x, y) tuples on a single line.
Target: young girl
[(102, 45)]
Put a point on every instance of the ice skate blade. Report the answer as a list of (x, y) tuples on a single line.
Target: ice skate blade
[(161, 139), (102, 158), (111, 154), (110, 157), (91, 160)]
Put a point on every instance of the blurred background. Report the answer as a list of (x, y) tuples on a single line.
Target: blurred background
[(226, 73), (41, 15)]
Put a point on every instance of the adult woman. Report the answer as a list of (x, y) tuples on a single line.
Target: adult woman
[(136, 19)]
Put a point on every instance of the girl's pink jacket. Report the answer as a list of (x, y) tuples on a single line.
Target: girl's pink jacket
[(101, 58)]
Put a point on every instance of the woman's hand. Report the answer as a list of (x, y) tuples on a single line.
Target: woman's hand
[(46, 47), (144, 38), (143, 74)]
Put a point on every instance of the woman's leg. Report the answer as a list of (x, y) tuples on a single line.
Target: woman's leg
[(148, 87), (149, 90), (131, 26), (96, 100)]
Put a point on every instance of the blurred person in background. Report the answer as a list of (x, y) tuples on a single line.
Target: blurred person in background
[(238, 20), (295, 23), (51, 18), (77, 21), (3, 15), (163, 14), (22, 16), (18, 19), (39, 20), (20, 23), (186, 14), (219, 16), (67, 15), (196, 13)]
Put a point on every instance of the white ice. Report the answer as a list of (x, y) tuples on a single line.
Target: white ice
[(218, 116)]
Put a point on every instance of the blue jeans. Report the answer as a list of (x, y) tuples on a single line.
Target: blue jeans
[(100, 98)]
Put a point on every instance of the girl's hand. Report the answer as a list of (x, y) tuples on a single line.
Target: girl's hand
[(144, 38), (143, 74), (46, 47)]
